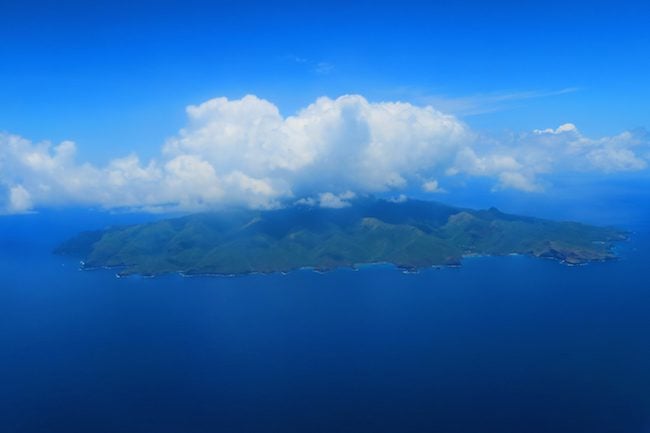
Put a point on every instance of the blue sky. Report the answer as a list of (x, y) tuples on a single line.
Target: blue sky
[(115, 77)]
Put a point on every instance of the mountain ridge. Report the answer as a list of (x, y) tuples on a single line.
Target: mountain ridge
[(413, 234)]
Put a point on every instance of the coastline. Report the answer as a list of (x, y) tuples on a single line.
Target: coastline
[(353, 267)]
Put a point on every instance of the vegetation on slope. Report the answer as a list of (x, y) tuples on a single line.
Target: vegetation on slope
[(413, 234)]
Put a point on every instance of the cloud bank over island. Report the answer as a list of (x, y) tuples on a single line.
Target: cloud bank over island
[(243, 152)]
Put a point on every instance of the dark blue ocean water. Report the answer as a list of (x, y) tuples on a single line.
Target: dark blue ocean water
[(502, 345)]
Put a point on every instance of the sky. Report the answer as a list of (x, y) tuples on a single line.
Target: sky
[(191, 105)]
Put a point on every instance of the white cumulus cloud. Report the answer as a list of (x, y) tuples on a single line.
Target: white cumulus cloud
[(432, 186), (244, 152), (19, 200)]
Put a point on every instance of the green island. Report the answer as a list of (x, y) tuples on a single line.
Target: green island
[(411, 235)]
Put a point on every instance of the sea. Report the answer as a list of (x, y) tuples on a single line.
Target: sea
[(499, 345)]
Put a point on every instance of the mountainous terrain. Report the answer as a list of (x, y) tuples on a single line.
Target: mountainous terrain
[(412, 234)]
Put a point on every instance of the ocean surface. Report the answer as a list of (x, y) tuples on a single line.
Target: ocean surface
[(501, 345)]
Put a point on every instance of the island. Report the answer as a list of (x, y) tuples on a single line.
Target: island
[(410, 234)]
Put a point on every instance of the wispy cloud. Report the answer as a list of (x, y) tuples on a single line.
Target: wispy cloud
[(479, 103), (295, 59), (319, 67), (324, 68)]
